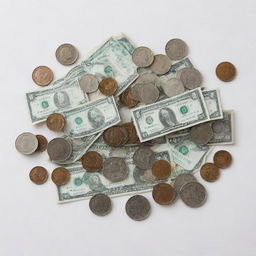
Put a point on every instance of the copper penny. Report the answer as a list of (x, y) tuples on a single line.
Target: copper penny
[(60, 176), (163, 193), (42, 143), (226, 71), (125, 135), (42, 75), (92, 161), (161, 169), (127, 99), (132, 133), (210, 172), (222, 159), (113, 136), (108, 86), (55, 122), (38, 175)]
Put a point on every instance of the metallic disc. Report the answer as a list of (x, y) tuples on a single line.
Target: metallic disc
[(161, 64), (201, 134), (181, 180), (66, 54), (191, 78), (59, 149), (176, 49), (100, 204), (142, 56), (26, 143), (173, 87), (144, 158), (89, 83), (148, 93)]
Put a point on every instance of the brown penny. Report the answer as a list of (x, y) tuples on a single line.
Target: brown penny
[(210, 172), (42, 75), (222, 159), (55, 122), (42, 143), (108, 86), (60, 176), (163, 193), (92, 161), (127, 99), (132, 133), (226, 71), (161, 169), (125, 135), (113, 136), (38, 175)]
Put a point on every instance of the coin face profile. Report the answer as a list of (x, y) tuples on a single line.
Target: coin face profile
[(66, 54), (59, 149), (108, 86), (226, 71), (89, 83), (161, 64), (42, 75), (100, 204), (142, 56), (55, 122), (176, 49), (60, 176)]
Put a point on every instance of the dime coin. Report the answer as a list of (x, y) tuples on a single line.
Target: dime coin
[(176, 49), (42, 143), (142, 56), (201, 134), (181, 180), (100, 204), (138, 208), (132, 133), (66, 54), (161, 169), (108, 86), (226, 71), (222, 159), (148, 93), (42, 75), (173, 87), (210, 172), (55, 122), (144, 158), (59, 149), (191, 78), (127, 99), (26, 143), (92, 161), (114, 136), (163, 193), (38, 175), (60, 176), (89, 83), (161, 64)]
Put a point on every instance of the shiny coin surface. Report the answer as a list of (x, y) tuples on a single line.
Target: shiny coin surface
[(181, 180), (42, 143), (144, 158), (222, 159), (173, 87), (161, 64), (26, 143), (59, 149), (42, 75), (114, 136), (226, 71), (89, 83), (100, 204), (55, 122), (38, 175), (66, 54), (92, 161), (163, 193), (176, 49), (132, 133), (161, 169), (108, 86), (148, 93), (60, 176), (127, 99), (210, 172), (142, 56), (191, 78), (201, 134)]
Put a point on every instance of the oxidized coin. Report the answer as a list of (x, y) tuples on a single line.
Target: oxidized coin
[(210, 172), (148, 93), (66, 54), (114, 136), (161, 64), (163, 193), (161, 169), (138, 207), (226, 71), (60, 176), (42, 75), (132, 133), (127, 99), (55, 122), (173, 87), (42, 143), (115, 169), (92, 161), (181, 180), (59, 149), (26, 143), (191, 78), (176, 49), (193, 194), (108, 86), (38, 175), (142, 56), (222, 159), (144, 158), (100, 204), (201, 134), (89, 83)]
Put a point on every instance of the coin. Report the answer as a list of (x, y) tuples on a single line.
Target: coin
[(59, 149), (222, 159), (163, 193), (190, 77), (42, 75), (148, 93), (226, 71), (89, 83), (142, 56), (193, 194), (135, 91), (38, 175), (114, 136), (144, 158), (42, 143), (181, 180), (176, 49), (210, 172), (60, 176), (55, 122), (108, 86), (125, 135), (138, 207), (100, 204), (173, 87), (149, 78), (127, 99), (66, 54), (26, 143), (201, 134), (132, 133), (161, 169), (161, 64), (115, 169), (92, 161)]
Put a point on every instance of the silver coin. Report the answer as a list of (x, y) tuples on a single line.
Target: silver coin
[(89, 83), (161, 64), (66, 54), (181, 180), (59, 149), (135, 91), (144, 158), (100, 204), (173, 87), (176, 49), (115, 169), (201, 134), (142, 56), (219, 126), (138, 208), (148, 93), (193, 194), (149, 78), (26, 143), (191, 78)]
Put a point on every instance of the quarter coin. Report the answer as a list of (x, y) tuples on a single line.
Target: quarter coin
[(60, 176), (38, 175), (191, 78), (142, 56), (226, 71), (176, 49), (222, 159), (161, 64), (59, 149), (89, 83), (201, 134), (55, 122), (144, 158), (92, 161), (163, 193), (100, 204), (210, 172), (148, 93), (181, 180), (66, 54), (42, 75), (26, 143), (108, 86)]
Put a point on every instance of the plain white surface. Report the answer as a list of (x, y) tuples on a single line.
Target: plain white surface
[(32, 223)]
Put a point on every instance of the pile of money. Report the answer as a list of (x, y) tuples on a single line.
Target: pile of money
[(174, 122)]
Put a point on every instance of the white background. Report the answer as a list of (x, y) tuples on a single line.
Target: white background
[(31, 221)]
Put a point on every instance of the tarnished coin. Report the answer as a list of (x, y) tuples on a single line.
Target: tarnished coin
[(173, 87), (60, 176), (115, 169), (138, 208), (92, 161), (148, 93), (100, 204), (201, 134), (226, 71), (108, 86), (161, 169), (181, 180), (38, 175), (42, 143), (144, 158), (193, 194), (191, 78), (89, 83), (222, 159), (210, 172), (26, 143), (66, 54), (161, 64), (42, 75), (55, 122), (59, 149), (132, 133), (176, 49), (127, 99), (163, 193), (142, 56), (114, 136)]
